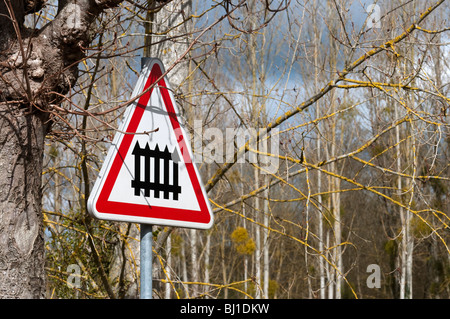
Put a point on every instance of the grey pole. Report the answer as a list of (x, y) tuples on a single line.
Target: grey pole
[(146, 261)]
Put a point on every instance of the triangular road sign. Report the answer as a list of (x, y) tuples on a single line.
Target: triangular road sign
[(148, 175)]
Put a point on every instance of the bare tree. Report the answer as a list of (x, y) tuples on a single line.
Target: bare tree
[(38, 67)]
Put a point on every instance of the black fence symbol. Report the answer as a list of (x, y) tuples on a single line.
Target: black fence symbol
[(158, 184)]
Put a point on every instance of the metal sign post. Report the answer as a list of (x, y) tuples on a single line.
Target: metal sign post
[(146, 253), (146, 261)]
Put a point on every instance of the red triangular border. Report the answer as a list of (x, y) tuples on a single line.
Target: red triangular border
[(105, 206)]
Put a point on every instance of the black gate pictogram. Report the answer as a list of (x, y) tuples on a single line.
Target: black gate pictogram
[(159, 183)]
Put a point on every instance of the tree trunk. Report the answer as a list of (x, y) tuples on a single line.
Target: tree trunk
[(194, 261), (21, 234), (266, 261), (207, 264), (258, 252), (317, 35), (168, 286), (34, 65)]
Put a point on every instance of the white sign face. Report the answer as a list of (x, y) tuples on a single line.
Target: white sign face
[(148, 175)]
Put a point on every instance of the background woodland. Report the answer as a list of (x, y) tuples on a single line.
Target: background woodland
[(360, 106)]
